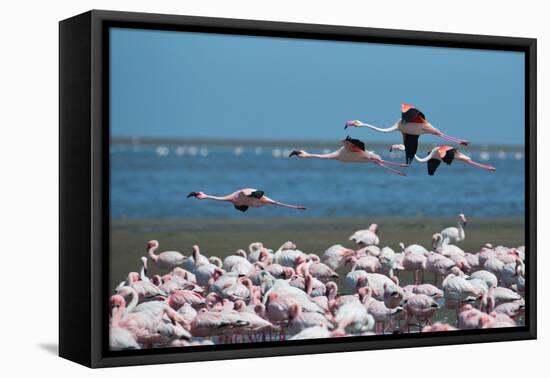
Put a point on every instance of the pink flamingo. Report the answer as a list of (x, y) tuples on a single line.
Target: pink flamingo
[(414, 260), (353, 151), (446, 154), (412, 124), (164, 260), (244, 198), (180, 297), (299, 320), (120, 337), (366, 237), (421, 307)]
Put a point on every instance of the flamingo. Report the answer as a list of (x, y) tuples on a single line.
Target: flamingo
[(165, 260), (119, 337), (367, 263), (512, 309), (489, 278), (414, 260), (453, 235), (352, 151), (444, 249), (299, 320), (439, 265), (366, 237), (421, 307), (382, 314), (244, 198), (456, 289), (412, 124), (334, 256), (388, 259), (353, 317), (446, 154)]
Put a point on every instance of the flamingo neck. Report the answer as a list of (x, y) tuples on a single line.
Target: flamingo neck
[(460, 229), (424, 159), (219, 198), (391, 129), (142, 273), (116, 315), (329, 156), (133, 302), (151, 252)]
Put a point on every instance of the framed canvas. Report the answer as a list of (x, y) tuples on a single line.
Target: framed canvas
[(209, 207)]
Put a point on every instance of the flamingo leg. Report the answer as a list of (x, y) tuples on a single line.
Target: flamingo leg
[(390, 169), (453, 139), (277, 203), (394, 164), (479, 165)]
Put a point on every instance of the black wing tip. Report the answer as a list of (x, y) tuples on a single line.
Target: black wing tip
[(257, 194), (241, 208)]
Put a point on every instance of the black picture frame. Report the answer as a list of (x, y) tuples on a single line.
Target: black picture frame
[(84, 186)]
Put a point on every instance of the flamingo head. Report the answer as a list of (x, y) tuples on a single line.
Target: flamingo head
[(462, 219), (152, 244), (117, 301), (374, 228), (288, 245), (288, 272), (354, 123), (198, 195), (397, 147), (294, 311), (297, 153), (133, 277), (144, 262)]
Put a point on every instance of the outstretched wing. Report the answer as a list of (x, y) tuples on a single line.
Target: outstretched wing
[(411, 114), (411, 146), (432, 166), (241, 208), (256, 194), (353, 144), (447, 154)]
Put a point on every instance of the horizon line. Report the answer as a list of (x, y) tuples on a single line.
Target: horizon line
[(321, 143)]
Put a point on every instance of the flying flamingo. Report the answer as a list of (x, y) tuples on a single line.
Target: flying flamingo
[(244, 198), (412, 124), (352, 151), (447, 154)]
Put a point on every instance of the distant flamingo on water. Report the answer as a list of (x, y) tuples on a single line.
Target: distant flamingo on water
[(412, 124), (353, 151), (447, 154), (244, 198)]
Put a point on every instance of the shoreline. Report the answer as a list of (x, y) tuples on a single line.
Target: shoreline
[(222, 237)]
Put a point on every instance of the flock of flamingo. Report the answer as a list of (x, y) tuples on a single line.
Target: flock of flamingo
[(287, 294), (412, 125)]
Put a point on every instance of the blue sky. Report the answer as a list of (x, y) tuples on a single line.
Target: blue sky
[(179, 84)]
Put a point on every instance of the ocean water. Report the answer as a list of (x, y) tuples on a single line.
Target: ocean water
[(151, 181)]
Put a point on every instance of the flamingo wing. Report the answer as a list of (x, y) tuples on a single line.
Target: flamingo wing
[(447, 154), (242, 208), (256, 194), (354, 145), (411, 114), (411, 146), (432, 166)]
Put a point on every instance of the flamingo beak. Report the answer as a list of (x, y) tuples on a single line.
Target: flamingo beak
[(294, 153), (345, 126), (192, 194)]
